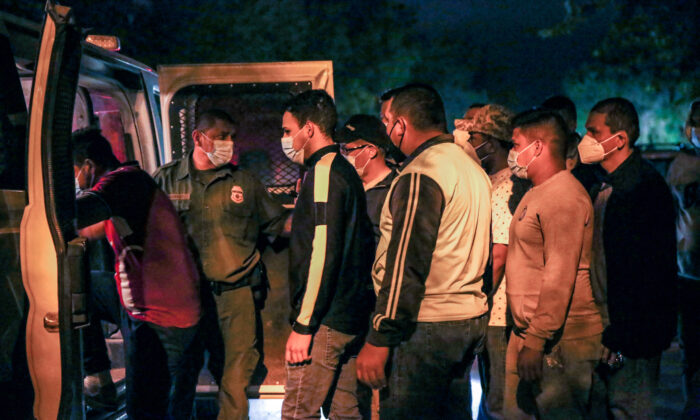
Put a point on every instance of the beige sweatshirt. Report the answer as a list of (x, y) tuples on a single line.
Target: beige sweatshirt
[(548, 265)]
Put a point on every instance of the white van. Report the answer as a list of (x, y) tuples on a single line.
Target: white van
[(67, 83)]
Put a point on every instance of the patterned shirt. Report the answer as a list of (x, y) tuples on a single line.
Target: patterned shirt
[(501, 216)]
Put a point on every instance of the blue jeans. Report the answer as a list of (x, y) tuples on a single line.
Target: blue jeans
[(424, 367), (158, 383), (493, 366), (328, 381)]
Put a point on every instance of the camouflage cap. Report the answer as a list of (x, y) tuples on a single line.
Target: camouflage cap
[(495, 121)]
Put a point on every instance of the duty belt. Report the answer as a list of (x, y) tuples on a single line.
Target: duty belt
[(218, 287)]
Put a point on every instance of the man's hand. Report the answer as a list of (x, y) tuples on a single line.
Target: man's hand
[(298, 347), (370, 365), (530, 364), (606, 356)]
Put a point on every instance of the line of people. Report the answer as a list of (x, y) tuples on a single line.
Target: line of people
[(398, 271)]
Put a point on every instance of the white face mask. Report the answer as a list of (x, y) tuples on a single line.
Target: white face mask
[(517, 169), (591, 151), (222, 153), (694, 140), (351, 159), (296, 156), (78, 190), (461, 137)]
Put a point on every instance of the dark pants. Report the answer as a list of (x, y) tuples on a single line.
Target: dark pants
[(103, 305), (238, 323), (565, 388), (630, 390), (208, 338), (328, 381), (690, 342), (493, 367), (158, 383), (424, 367)]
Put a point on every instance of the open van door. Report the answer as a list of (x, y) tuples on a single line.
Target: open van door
[(254, 94), (52, 262)]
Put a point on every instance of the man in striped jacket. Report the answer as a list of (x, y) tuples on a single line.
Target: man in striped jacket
[(331, 250), (429, 264)]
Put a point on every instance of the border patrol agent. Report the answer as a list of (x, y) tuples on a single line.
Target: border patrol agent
[(224, 210)]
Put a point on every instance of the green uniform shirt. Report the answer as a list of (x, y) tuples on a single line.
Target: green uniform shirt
[(224, 211)]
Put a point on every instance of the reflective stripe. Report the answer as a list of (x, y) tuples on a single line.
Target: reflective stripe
[(313, 285), (322, 172), (399, 264), (322, 177)]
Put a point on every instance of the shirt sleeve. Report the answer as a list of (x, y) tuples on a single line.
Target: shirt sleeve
[(101, 201), (271, 214), (327, 246), (416, 205), (563, 227)]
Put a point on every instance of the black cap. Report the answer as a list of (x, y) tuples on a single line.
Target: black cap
[(365, 127)]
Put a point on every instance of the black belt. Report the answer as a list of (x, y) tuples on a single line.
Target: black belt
[(218, 287)]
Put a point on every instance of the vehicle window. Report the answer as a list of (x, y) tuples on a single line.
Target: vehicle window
[(105, 107), (106, 115)]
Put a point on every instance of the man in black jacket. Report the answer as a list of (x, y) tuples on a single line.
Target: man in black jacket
[(634, 258), (331, 252)]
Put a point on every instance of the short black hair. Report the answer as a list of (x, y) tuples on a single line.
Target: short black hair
[(316, 106), (88, 143), (564, 106), (476, 105), (694, 115), (620, 115), (546, 118), (420, 103), (208, 118)]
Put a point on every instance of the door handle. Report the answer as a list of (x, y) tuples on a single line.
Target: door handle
[(51, 322)]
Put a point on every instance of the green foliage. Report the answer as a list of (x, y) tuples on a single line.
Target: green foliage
[(660, 115), (649, 56)]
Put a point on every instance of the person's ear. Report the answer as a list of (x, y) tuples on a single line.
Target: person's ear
[(621, 139), (372, 152), (539, 147), (90, 164), (401, 126), (197, 138), (310, 129)]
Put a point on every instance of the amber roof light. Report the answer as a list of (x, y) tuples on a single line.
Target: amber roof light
[(108, 42)]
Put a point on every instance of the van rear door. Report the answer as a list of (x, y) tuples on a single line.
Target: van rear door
[(254, 94)]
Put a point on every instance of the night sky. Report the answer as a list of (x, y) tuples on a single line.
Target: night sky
[(519, 66), (498, 53)]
